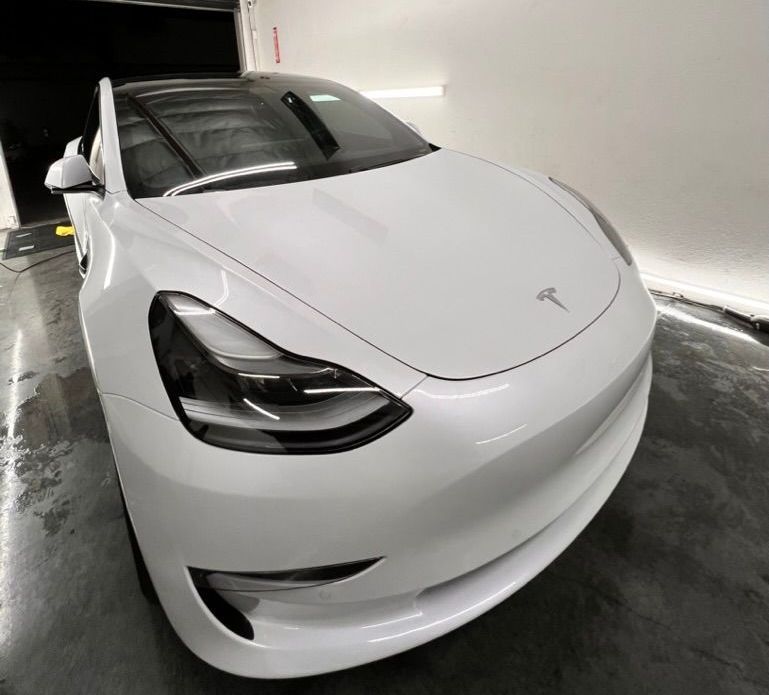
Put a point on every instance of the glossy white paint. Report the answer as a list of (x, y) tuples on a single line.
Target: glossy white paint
[(69, 171), (487, 481), (436, 261), (480, 468)]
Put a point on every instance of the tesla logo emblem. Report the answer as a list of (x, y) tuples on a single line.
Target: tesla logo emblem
[(549, 294)]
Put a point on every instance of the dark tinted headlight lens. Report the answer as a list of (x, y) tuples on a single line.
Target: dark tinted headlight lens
[(607, 227), (234, 389)]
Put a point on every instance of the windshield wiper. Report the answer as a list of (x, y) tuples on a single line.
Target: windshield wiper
[(317, 129)]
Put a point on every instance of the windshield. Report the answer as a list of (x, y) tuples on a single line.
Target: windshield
[(207, 135)]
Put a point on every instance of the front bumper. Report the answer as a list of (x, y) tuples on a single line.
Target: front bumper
[(486, 483)]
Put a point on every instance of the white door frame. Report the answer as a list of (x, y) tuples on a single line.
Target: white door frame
[(9, 215), (245, 30)]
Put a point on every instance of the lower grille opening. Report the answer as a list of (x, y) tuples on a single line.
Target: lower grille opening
[(279, 581), (221, 592)]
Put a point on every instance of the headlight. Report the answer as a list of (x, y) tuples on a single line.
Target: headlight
[(608, 229), (233, 389)]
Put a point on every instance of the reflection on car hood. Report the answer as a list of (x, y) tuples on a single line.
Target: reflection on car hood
[(453, 265)]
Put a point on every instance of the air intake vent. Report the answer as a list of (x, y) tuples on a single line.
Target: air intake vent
[(277, 581), (227, 615)]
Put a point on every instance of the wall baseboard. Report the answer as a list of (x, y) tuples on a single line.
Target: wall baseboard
[(705, 295)]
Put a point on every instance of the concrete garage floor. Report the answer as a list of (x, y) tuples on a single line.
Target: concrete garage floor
[(667, 591)]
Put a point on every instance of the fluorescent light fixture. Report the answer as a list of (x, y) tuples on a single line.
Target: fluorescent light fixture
[(404, 93), (323, 97)]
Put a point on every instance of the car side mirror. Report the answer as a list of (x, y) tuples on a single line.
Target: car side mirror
[(71, 175)]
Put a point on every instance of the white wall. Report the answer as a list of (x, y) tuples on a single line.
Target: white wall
[(9, 218), (657, 110)]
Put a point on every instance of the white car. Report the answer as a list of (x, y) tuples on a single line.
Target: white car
[(359, 388)]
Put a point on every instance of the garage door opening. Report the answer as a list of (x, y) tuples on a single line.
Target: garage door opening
[(53, 53)]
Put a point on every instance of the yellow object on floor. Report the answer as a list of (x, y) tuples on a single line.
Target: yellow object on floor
[(61, 230)]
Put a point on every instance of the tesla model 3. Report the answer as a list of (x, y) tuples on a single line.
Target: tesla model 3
[(359, 388)]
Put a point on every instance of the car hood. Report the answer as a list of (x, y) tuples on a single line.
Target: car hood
[(455, 266)]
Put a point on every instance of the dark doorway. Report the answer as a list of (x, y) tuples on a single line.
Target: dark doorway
[(53, 52)]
